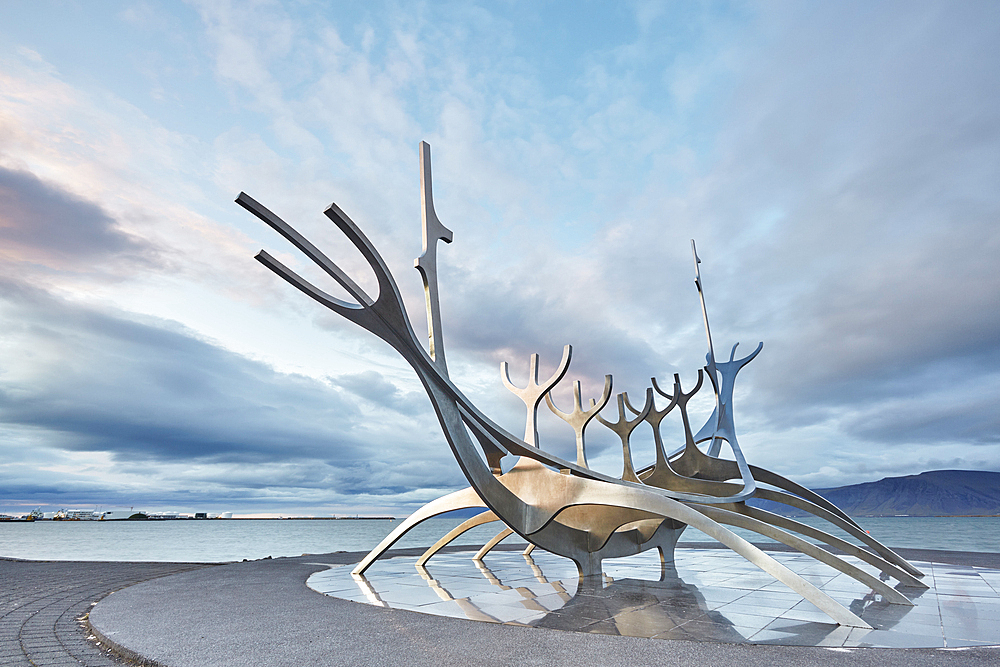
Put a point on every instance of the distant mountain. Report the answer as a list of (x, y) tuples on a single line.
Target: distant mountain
[(934, 493)]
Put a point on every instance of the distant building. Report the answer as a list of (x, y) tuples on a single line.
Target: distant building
[(76, 515)]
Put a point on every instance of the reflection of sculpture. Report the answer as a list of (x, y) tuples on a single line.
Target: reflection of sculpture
[(565, 507), (640, 608), (624, 606)]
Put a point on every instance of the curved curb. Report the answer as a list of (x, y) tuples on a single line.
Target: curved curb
[(120, 651)]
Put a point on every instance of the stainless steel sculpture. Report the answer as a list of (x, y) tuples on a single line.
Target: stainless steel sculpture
[(567, 508)]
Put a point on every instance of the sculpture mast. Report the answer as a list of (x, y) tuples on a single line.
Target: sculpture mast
[(426, 264), (716, 444)]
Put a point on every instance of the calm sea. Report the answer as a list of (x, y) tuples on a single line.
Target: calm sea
[(229, 540)]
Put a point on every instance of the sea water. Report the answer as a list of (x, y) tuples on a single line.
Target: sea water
[(226, 540), (948, 533), (214, 540)]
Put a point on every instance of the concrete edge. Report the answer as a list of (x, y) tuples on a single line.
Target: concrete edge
[(120, 651), (114, 647)]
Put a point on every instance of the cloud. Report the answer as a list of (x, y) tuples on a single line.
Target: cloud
[(43, 224), (965, 418), (154, 391), (170, 414), (839, 188), (836, 164), (376, 389), (847, 220)]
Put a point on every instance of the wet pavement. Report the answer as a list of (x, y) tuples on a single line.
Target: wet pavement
[(708, 595)]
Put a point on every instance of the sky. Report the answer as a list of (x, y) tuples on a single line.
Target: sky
[(838, 165)]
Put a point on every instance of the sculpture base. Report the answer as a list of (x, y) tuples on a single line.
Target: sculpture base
[(703, 595)]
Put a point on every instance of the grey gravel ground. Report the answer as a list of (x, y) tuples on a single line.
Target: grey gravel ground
[(42, 604), (262, 613)]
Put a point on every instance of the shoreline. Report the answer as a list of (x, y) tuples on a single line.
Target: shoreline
[(250, 539), (949, 557), (214, 518), (394, 518)]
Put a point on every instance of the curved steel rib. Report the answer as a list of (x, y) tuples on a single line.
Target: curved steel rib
[(453, 501), (497, 539), (748, 522), (483, 517), (848, 527), (887, 567), (791, 494), (886, 559), (665, 476)]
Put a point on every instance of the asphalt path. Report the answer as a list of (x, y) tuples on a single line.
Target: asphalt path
[(262, 613)]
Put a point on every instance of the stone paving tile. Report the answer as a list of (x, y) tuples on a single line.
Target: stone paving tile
[(701, 631), (890, 639), (714, 596), (747, 621), (44, 604)]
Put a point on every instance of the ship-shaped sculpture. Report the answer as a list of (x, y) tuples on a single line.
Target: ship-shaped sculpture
[(565, 507)]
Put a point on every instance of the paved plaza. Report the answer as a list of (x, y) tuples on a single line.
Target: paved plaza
[(263, 613), (708, 595)]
